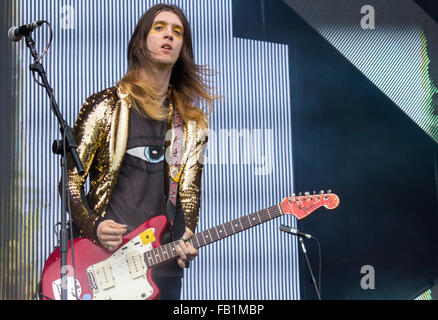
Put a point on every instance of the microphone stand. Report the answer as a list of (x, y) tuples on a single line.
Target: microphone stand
[(60, 147), (310, 268)]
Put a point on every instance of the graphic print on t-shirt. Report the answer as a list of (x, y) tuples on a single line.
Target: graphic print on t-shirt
[(152, 154)]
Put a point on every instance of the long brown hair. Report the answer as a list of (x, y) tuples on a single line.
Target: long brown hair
[(188, 82)]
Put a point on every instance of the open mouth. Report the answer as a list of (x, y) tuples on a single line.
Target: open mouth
[(166, 47)]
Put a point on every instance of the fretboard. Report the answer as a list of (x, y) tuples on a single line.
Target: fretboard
[(168, 252)]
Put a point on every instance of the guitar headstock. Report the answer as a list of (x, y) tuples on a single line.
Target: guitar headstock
[(303, 205)]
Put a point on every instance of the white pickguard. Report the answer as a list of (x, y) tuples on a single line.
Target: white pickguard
[(123, 275)]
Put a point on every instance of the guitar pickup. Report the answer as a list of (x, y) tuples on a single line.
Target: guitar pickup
[(136, 268), (104, 275)]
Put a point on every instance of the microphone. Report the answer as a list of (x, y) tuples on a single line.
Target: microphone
[(295, 232), (16, 33)]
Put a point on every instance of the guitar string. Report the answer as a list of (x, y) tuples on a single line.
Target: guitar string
[(167, 252), (160, 256), (122, 264)]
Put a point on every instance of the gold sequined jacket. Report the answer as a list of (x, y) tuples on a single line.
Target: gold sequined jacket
[(101, 132)]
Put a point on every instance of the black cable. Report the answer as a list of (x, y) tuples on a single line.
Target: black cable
[(38, 294), (320, 262), (43, 54), (302, 237)]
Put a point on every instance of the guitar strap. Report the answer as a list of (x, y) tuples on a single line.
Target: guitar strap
[(175, 169)]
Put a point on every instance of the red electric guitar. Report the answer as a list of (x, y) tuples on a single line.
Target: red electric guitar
[(127, 272)]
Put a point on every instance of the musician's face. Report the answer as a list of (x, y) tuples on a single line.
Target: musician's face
[(165, 38)]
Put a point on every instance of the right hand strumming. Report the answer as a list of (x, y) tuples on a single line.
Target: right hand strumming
[(110, 233)]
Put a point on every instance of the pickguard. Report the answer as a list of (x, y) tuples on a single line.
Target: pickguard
[(124, 274)]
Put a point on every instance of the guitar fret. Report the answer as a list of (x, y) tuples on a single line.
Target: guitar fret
[(165, 252), (258, 217), (148, 259), (237, 225), (264, 216), (171, 251), (160, 254), (173, 247), (174, 251), (213, 236), (197, 242), (223, 231), (153, 257), (227, 228), (240, 221), (208, 236), (166, 255), (231, 223), (279, 210), (249, 220), (217, 233), (203, 238), (245, 223), (267, 215)]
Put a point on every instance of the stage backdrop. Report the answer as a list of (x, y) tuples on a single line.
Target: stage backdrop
[(249, 157)]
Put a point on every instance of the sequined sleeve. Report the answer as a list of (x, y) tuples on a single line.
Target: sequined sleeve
[(191, 183), (88, 132)]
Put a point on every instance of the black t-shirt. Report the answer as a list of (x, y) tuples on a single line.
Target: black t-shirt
[(140, 194)]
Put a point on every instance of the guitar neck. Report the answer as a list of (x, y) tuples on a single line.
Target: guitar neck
[(235, 226), (168, 252)]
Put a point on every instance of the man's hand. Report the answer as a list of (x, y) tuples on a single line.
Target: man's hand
[(110, 234), (185, 249)]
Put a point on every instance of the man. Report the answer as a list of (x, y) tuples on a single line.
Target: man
[(121, 135)]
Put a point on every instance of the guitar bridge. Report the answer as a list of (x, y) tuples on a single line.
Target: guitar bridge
[(92, 281)]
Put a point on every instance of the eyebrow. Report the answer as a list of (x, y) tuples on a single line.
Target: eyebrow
[(164, 22)]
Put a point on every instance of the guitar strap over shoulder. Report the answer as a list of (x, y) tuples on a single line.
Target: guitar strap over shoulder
[(175, 168)]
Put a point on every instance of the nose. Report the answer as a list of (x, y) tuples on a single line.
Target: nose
[(168, 33)]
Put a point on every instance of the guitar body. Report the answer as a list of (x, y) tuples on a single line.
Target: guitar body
[(107, 275)]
